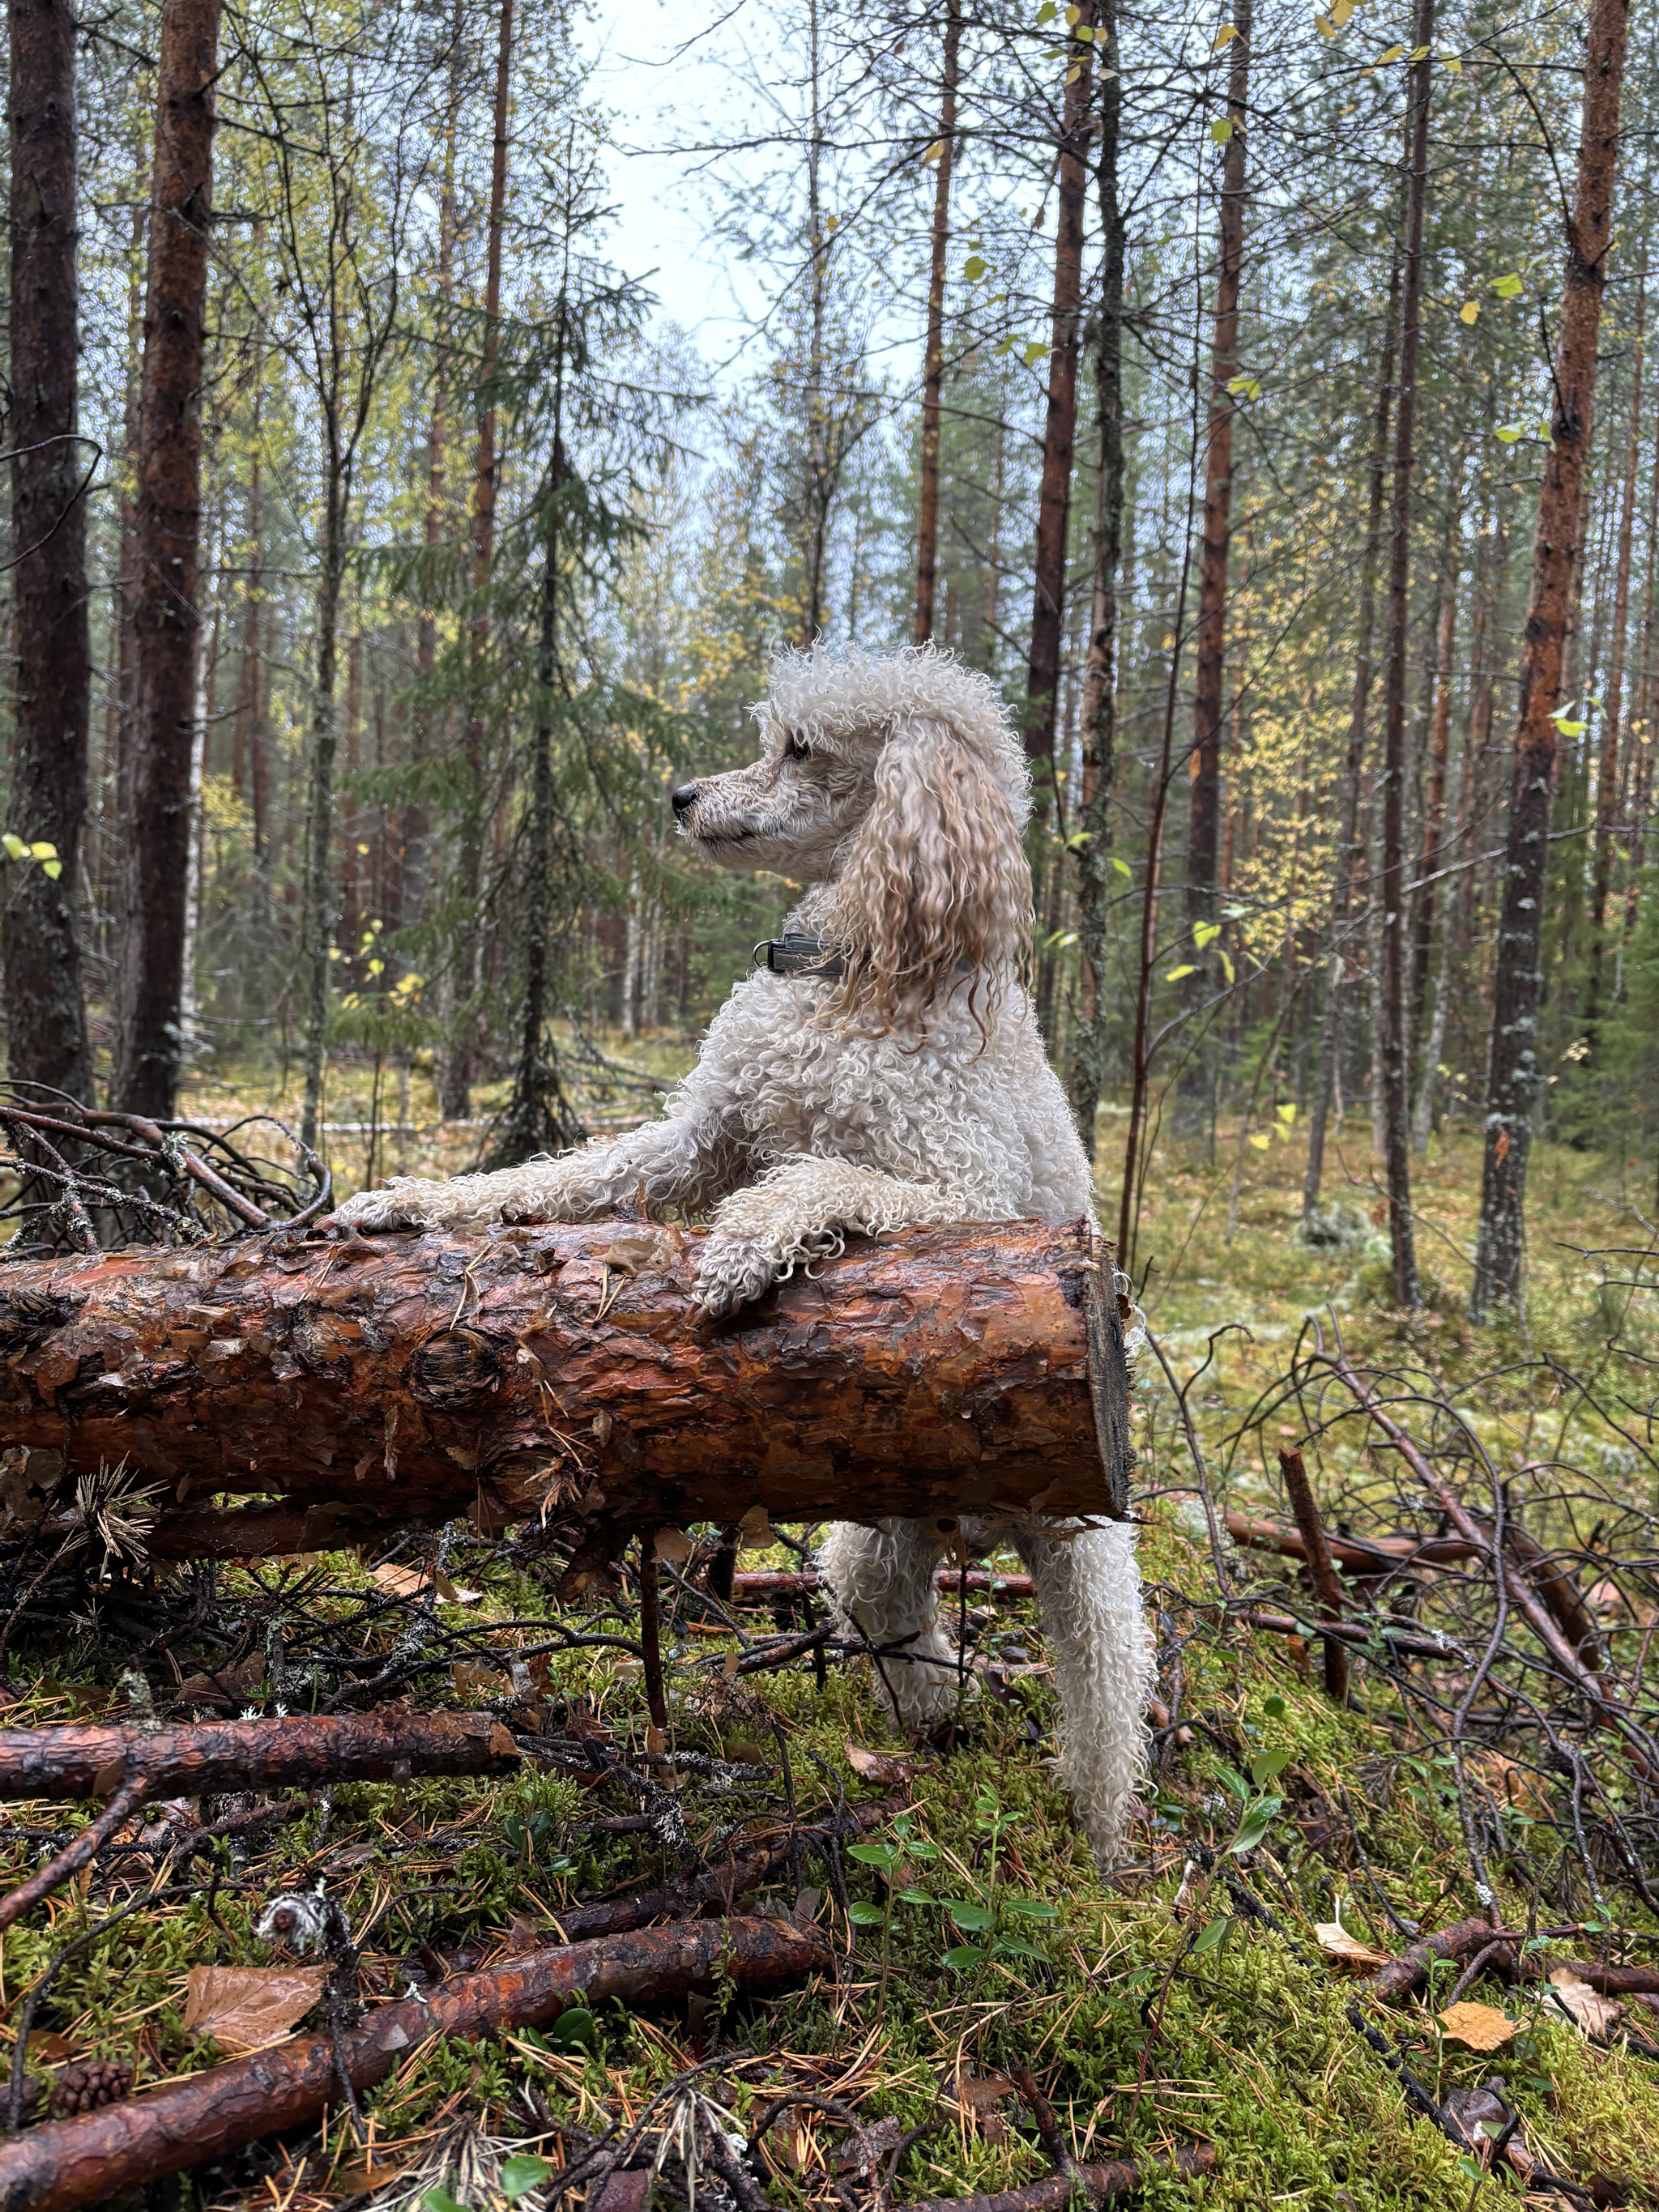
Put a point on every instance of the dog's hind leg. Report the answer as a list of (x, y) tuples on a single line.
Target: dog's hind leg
[(882, 1582), (1088, 1586)]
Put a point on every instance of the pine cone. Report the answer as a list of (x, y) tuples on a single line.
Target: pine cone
[(89, 2083)]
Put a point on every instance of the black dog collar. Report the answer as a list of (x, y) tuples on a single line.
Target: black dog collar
[(795, 954)]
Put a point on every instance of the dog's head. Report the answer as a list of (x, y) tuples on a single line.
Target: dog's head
[(897, 779)]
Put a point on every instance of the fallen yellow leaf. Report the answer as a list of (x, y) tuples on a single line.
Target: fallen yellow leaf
[(1482, 2027)]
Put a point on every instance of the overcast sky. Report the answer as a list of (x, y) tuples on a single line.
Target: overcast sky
[(665, 75)]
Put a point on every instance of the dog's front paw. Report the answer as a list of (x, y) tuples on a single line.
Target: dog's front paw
[(406, 1202), (732, 1274)]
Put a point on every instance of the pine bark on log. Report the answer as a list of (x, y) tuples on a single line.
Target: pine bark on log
[(101, 2155), (296, 1750), (565, 1370)]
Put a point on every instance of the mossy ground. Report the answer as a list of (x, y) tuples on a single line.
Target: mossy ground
[(1140, 2042)]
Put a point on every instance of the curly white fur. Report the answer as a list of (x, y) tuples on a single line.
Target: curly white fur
[(916, 1090)]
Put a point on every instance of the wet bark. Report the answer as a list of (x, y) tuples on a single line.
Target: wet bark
[(298, 1751), (934, 1372), (1512, 1068), (45, 1018), (149, 1038)]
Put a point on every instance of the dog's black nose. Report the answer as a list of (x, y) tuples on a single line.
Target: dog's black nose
[(684, 799)]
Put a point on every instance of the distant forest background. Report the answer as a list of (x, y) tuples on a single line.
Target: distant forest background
[(1227, 384)]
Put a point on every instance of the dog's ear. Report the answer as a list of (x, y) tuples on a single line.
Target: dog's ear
[(936, 886)]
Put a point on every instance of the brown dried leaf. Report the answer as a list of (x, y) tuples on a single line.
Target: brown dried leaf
[(755, 1530), (1336, 1942), (244, 2008), (1480, 2027), (402, 1582), (877, 1765), (674, 1546), (1593, 2014)]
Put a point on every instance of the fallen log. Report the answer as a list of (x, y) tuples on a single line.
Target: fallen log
[(565, 1370), (100, 2155), (296, 1751)]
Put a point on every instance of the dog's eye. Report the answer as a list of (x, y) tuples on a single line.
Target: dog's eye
[(797, 749)]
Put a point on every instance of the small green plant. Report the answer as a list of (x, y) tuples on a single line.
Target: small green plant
[(997, 1920), (888, 1859)]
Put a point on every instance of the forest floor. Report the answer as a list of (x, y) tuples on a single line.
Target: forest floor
[(1199, 1995)]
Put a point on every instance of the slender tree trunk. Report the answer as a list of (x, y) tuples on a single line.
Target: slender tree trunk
[(1639, 756), (46, 1031), (1100, 670), (1607, 780), (1203, 830), (414, 828), (819, 486), (317, 920), (1431, 850), (148, 1041), (1396, 1104), (933, 368), (1060, 427), (1512, 1070), (456, 1084), (1341, 974)]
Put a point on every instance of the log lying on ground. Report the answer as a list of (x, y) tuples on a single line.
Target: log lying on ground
[(100, 2155), (296, 1751), (565, 1370)]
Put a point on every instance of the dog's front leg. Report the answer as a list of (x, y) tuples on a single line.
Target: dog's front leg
[(803, 1211), (684, 1161)]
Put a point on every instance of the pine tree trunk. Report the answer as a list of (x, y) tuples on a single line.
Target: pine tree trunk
[(932, 1371), (1396, 1104), (455, 1086), (414, 828), (1341, 976), (149, 989), (1512, 1070), (1203, 824), (46, 1020), (1431, 851), (317, 903), (933, 365), (1607, 780), (1100, 672), (1060, 424)]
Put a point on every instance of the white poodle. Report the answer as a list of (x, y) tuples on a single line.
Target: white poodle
[(891, 1073)]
